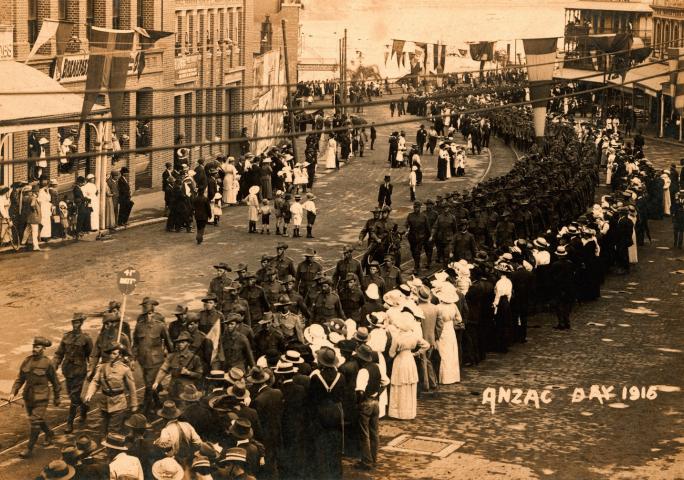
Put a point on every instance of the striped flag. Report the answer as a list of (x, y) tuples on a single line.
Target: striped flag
[(540, 53), (214, 336), (398, 50), (110, 54), (676, 62), (52, 28)]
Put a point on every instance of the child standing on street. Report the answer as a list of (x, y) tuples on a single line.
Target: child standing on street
[(413, 181), (310, 208), (216, 209), (297, 212), (265, 212)]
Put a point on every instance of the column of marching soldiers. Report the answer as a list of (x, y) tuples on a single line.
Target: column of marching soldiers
[(285, 370)]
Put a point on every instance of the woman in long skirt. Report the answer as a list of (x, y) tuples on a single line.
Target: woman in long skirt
[(404, 381), (253, 208), (632, 249), (447, 346), (331, 153), (230, 182), (45, 206)]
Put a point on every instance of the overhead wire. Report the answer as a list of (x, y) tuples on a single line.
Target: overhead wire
[(255, 86), (94, 117), (146, 150)]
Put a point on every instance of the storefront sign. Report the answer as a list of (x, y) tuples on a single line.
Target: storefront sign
[(6, 42), (73, 68), (187, 67)]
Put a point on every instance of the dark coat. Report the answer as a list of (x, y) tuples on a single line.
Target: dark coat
[(385, 194), (268, 403)]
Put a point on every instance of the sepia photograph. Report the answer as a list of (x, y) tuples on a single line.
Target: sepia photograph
[(341, 240)]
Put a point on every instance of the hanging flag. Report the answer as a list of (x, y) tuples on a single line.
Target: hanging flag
[(463, 52), (421, 54), (387, 54), (398, 49), (52, 28), (442, 57), (676, 63), (436, 48), (482, 51), (540, 53), (403, 59), (110, 54), (147, 39), (214, 336)]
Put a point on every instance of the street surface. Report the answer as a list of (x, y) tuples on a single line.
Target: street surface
[(632, 336)]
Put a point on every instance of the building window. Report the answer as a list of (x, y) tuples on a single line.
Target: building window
[(179, 35), (62, 9), (219, 109), (139, 13), (210, 119), (32, 21), (90, 12), (116, 13), (189, 43), (143, 107)]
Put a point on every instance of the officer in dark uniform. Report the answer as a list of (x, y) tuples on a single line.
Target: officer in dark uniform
[(256, 299), (72, 354), (221, 280), (306, 271), (150, 341), (183, 366), (326, 305), (35, 373), (283, 264), (344, 267), (418, 233)]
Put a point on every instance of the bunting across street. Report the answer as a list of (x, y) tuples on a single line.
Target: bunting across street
[(541, 53)]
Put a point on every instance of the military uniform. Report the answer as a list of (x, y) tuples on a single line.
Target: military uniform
[(208, 318), (284, 266), (237, 352), (418, 234), (351, 300), (272, 289), (345, 267), (35, 375), (291, 325), (150, 338), (72, 354), (257, 302), (306, 275), (114, 380), (391, 276), (237, 305), (443, 234), (325, 307), (216, 286), (174, 365)]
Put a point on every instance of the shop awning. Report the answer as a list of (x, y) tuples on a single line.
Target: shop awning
[(650, 77), (29, 111), (610, 6), (579, 75)]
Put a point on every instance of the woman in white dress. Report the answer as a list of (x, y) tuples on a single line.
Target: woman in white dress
[(230, 182), (447, 346), (91, 193), (667, 201), (331, 153), (404, 382), (45, 211), (610, 158), (632, 250)]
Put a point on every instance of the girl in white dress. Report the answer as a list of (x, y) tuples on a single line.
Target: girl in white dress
[(331, 153), (91, 193)]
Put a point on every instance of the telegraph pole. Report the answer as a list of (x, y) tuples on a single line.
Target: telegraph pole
[(290, 102)]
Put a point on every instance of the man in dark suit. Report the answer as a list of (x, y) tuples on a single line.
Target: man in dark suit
[(562, 273), (293, 454), (200, 177), (202, 210), (373, 135), (385, 193), (268, 402), (125, 202), (421, 138)]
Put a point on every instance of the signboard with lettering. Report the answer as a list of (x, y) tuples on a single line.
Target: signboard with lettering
[(187, 67), (6, 42), (127, 280), (73, 68)]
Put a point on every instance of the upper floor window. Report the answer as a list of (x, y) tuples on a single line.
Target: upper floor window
[(32, 21)]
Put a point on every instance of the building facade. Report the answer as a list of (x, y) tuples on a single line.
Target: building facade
[(668, 25)]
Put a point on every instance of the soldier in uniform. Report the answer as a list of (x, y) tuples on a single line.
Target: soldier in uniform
[(262, 273), (368, 228), (107, 338), (219, 281), (256, 299), (72, 354), (428, 245), (306, 271), (180, 323), (290, 324), (443, 232), (150, 339), (326, 305), (465, 246), (237, 352), (35, 373), (271, 285), (268, 337), (113, 378), (241, 271), (418, 232), (375, 277), (298, 304), (351, 297), (283, 264), (200, 345), (183, 366), (209, 316), (390, 274), (232, 303), (492, 222), (347, 265), (678, 219)]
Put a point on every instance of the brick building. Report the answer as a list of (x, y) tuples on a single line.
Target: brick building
[(26, 17)]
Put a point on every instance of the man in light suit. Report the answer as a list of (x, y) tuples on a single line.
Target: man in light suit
[(432, 326)]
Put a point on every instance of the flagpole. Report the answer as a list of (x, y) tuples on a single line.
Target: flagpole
[(290, 104)]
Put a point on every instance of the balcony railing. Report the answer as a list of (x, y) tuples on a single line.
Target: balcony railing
[(669, 3)]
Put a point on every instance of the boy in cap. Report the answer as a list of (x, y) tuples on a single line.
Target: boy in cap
[(35, 374)]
